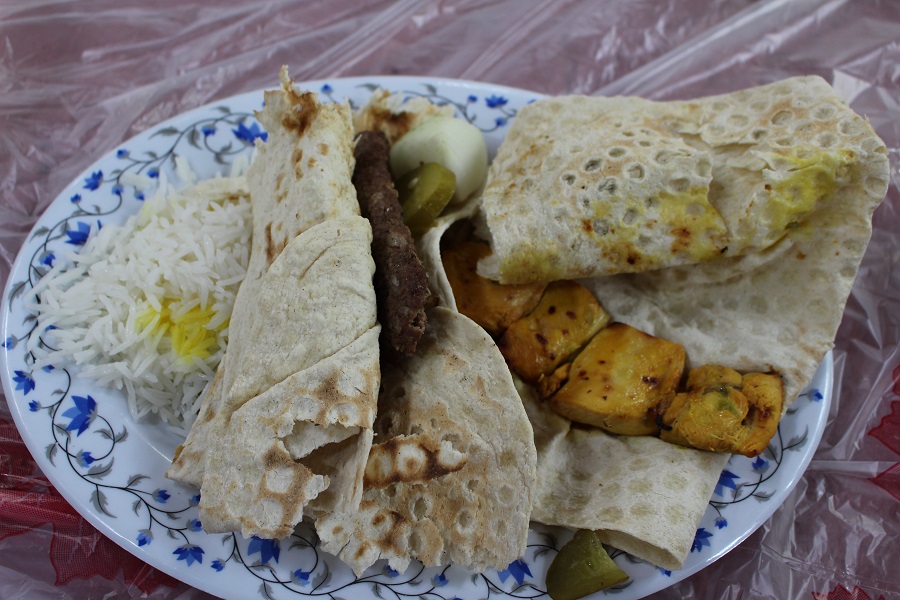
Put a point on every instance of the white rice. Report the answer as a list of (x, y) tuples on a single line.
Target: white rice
[(184, 250)]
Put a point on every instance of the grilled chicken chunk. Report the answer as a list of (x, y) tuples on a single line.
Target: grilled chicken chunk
[(617, 381), (724, 411), (492, 305), (567, 316)]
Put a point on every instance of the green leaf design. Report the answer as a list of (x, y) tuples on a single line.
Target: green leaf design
[(99, 471), (194, 137), (136, 507), (98, 499), (166, 131), (135, 479), (16, 291), (223, 109), (50, 452), (39, 231), (121, 436)]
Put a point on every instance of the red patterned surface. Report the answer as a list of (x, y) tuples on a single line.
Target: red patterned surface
[(77, 549), (842, 593)]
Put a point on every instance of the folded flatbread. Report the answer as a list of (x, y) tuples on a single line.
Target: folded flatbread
[(640, 494), (592, 186), (285, 427), (396, 114), (774, 306), (452, 475)]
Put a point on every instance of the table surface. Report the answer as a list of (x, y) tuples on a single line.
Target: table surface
[(77, 78)]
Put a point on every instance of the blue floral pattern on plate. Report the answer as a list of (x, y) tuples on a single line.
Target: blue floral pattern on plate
[(113, 469)]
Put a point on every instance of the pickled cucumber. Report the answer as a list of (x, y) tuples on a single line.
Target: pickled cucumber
[(453, 143), (582, 567), (424, 193)]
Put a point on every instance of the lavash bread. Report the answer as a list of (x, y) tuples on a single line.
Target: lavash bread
[(451, 478), (300, 446), (774, 305), (285, 428), (396, 114), (592, 186), (640, 494)]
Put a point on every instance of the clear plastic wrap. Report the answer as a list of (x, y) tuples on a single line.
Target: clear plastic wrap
[(79, 78)]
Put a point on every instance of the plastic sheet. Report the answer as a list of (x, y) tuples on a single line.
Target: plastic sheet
[(79, 78)]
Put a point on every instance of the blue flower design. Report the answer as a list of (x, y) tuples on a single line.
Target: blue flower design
[(118, 190), (665, 572), (726, 480), (217, 564), (518, 569), (153, 172), (440, 580), (194, 500), (267, 549), (195, 525), (472, 99), (500, 121), (48, 368), (48, 259), (82, 414), (494, 101), (189, 554), (122, 153), (817, 395), (721, 522), (760, 464), (75, 199), (161, 496), (9, 343), (139, 196), (249, 134), (389, 571), (301, 576), (93, 182), (145, 536), (326, 89), (701, 539), (33, 406), (23, 381), (77, 237), (85, 459), (208, 130)]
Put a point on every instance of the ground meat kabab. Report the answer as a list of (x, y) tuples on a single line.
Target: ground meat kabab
[(401, 284)]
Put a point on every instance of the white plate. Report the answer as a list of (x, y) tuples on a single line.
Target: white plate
[(111, 468)]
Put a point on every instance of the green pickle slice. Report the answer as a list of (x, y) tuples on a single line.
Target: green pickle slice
[(582, 567), (424, 193)]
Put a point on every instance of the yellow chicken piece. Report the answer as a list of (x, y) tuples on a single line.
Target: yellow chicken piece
[(566, 317), (723, 411), (618, 380), (492, 305)]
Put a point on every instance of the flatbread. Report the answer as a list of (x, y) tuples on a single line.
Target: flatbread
[(592, 186), (301, 177), (285, 427), (451, 477), (396, 114), (640, 494), (271, 462)]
